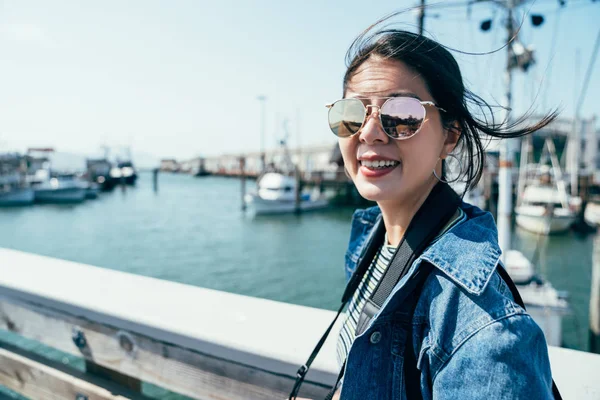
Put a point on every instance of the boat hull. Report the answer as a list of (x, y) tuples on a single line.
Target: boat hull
[(260, 206), (19, 197), (60, 195), (542, 224)]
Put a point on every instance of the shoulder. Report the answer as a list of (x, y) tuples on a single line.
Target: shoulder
[(464, 298), (453, 325)]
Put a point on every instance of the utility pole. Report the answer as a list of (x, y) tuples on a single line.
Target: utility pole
[(574, 139), (421, 17), (505, 203)]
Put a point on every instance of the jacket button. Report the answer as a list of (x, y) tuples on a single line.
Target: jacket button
[(375, 337)]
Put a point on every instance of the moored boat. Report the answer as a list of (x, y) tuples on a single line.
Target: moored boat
[(544, 210), (59, 191), (543, 205), (276, 194)]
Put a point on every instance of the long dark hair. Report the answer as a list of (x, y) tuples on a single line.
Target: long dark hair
[(443, 79)]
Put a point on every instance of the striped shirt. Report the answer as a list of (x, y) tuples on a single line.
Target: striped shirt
[(368, 284)]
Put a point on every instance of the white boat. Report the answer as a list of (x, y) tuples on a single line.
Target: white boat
[(544, 303), (543, 210), (276, 194), (543, 206)]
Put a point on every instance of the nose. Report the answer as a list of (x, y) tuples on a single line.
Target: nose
[(372, 131)]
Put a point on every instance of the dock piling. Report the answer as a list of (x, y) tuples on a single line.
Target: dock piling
[(243, 181), (595, 299), (297, 208), (155, 179)]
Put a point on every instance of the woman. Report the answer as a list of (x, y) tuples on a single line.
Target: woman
[(405, 112)]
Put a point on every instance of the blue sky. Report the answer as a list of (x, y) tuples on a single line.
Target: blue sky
[(181, 78)]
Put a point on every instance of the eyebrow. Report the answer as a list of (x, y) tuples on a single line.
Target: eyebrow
[(393, 94)]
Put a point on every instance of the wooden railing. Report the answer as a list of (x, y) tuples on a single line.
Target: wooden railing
[(201, 343)]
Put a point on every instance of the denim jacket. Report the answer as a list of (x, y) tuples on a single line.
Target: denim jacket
[(471, 340)]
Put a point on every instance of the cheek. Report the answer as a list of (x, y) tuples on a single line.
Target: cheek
[(422, 154), (348, 150)]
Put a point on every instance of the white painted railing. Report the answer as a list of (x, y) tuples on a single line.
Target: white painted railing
[(198, 342)]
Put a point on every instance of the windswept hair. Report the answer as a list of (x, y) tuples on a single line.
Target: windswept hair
[(441, 73)]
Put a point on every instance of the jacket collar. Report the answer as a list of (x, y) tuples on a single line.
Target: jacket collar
[(468, 253)]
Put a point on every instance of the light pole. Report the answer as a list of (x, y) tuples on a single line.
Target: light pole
[(263, 101), (506, 154)]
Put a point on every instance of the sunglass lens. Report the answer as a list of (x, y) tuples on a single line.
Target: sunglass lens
[(346, 117), (402, 117)]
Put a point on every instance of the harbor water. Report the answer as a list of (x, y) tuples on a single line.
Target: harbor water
[(192, 230)]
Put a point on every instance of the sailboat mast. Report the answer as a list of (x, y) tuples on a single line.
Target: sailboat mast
[(506, 151)]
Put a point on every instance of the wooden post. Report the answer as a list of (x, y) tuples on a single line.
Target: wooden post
[(319, 182), (595, 300), (155, 179), (243, 181), (298, 193)]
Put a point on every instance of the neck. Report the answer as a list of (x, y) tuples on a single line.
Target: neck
[(398, 214)]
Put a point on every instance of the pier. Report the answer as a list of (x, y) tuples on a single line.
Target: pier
[(201, 343), (317, 164)]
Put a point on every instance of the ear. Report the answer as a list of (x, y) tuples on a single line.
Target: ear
[(452, 134)]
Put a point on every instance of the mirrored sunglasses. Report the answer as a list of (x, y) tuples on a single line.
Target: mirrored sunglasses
[(400, 117)]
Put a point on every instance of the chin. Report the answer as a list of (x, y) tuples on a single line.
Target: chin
[(377, 193)]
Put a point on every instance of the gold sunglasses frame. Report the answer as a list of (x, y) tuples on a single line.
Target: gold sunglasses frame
[(366, 107)]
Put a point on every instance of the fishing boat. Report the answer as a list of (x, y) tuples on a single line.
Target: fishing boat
[(276, 194), (128, 173), (57, 189), (98, 172), (277, 188), (543, 205), (545, 210)]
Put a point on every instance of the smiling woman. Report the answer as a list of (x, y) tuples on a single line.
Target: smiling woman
[(431, 313)]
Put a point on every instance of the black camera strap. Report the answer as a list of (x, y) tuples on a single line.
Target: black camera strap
[(430, 219)]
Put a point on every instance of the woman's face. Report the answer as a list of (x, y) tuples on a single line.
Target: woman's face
[(412, 174)]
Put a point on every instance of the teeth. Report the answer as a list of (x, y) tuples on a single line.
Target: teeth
[(379, 163)]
